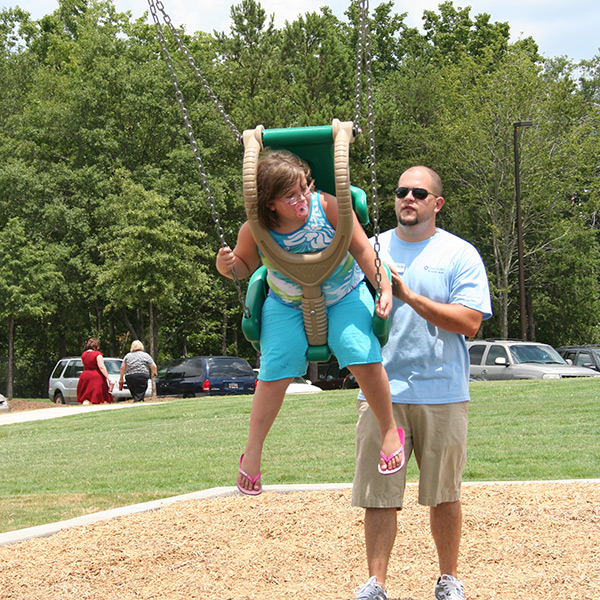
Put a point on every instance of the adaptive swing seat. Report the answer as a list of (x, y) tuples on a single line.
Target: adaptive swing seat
[(326, 150)]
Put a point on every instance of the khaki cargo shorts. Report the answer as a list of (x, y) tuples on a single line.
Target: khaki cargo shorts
[(436, 433)]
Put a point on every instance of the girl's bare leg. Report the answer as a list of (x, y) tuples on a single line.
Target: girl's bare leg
[(373, 382), (266, 404)]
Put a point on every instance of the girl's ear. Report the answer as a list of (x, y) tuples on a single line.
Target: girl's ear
[(271, 206)]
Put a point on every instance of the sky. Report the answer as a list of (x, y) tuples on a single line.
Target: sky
[(560, 28)]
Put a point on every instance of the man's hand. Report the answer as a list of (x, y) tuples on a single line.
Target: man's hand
[(455, 318), (399, 288)]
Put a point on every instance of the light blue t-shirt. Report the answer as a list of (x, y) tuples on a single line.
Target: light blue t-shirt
[(426, 364)]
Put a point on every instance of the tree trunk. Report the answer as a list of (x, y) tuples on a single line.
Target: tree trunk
[(11, 352), (151, 330), (503, 301), (152, 347), (501, 269), (130, 326), (62, 344), (98, 318), (530, 318), (156, 327), (142, 328), (111, 341)]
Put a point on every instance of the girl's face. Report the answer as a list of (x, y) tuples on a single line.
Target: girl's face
[(296, 197)]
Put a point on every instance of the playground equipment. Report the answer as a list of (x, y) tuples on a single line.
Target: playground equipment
[(326, 150)]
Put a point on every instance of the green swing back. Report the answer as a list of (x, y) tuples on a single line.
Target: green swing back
[(314, 145)]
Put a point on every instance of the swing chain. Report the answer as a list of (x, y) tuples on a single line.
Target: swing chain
[(190, 60), (364, 52), (189, 129), (359, 64)]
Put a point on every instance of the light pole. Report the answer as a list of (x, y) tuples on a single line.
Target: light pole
[(523, 311)]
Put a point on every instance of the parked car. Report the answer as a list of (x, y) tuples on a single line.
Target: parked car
[(205, 376), (582, 356), (62, 386), (300, 385), (331, 377), (513, 359)]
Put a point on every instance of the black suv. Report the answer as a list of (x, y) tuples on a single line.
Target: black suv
[(205, 376), (582, 356)]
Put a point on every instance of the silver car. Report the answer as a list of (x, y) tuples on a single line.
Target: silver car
[(62, 386), (511, 359)]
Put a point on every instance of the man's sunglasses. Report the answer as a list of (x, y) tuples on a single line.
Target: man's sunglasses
[(418, 193)]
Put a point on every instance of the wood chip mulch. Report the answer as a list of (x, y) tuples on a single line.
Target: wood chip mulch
[(520, 542)]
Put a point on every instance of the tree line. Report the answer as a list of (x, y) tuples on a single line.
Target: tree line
[(107, 230)]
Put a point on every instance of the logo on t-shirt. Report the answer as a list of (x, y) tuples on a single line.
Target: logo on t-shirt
[(435, 270)]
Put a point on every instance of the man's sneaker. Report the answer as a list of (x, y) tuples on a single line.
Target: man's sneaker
[(449, 588), (370, 591)]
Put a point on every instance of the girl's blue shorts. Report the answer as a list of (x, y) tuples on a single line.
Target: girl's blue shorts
[(350, 335)]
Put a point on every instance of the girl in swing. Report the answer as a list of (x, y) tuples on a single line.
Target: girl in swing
[(303, 220)]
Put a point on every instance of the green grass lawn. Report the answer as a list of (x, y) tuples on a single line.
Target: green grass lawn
[(62, 468)]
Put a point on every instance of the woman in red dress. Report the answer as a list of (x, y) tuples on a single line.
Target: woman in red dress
[(94, 382)]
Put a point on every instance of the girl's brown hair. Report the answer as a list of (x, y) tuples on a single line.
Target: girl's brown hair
[(92, 344), (278, 172)]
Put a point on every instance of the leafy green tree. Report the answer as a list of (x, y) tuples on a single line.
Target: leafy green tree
[(407, 103), (453, 34), (590, 79), (95, 162), (246, 58), (317, 75), (564, 287), (477, 161), (391, 40), (151, 260), (565, 211), (28, 281)]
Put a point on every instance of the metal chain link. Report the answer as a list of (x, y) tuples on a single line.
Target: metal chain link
[(190, 59), (364, 52), (189, 129), (360, 36)]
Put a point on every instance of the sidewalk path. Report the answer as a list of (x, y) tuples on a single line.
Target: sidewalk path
[(60, 411)]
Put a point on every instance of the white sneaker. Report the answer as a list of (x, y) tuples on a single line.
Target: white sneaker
[(449, 588), (86, 403), (370, 591)]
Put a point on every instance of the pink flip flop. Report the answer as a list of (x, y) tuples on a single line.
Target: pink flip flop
[(388, 458), (252, 480)]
